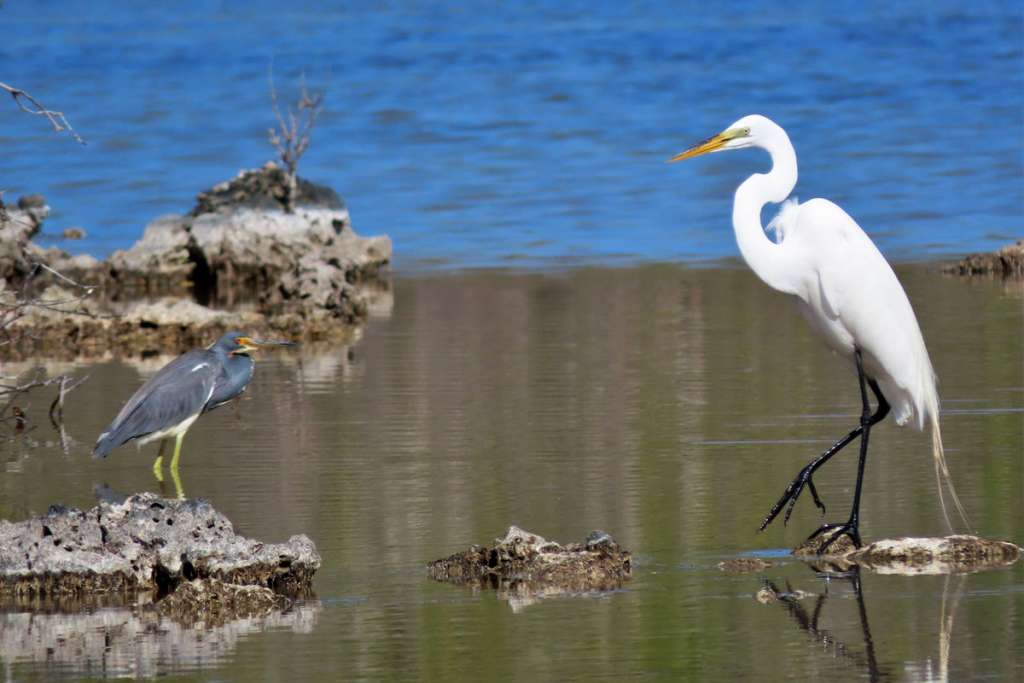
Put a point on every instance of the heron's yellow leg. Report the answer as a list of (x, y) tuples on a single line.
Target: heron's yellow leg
[(158, 463), (178, 490), (177, 452)]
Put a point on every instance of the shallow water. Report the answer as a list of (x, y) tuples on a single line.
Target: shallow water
[(666, 405), (528, 133)]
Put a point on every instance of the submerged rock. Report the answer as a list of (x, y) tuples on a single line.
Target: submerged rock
[(961, 553), (150, 547), (214, 602), (811, 548), (63, 323), (743, 565), (523, 566), (950, 554), (1008, 262)]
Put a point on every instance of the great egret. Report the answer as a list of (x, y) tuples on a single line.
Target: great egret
[(194, 383), (850, 296)]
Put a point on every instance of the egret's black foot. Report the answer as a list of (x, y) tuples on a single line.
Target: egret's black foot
[(793, 491), (848, 529)]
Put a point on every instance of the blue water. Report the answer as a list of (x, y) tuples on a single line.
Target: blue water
[(529, 133)]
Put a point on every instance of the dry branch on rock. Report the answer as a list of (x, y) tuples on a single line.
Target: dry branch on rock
[(293, 134)]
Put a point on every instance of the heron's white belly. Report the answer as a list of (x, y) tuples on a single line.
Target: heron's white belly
[(177, 429)]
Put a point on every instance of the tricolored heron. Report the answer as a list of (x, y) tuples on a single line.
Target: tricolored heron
[(849, 294), (192, 384)]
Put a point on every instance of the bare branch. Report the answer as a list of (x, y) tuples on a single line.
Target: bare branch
[(10, 393), (31, 105), (294, 131), (66, 387)]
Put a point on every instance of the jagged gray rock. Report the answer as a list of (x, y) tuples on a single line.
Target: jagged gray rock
[(264, 189), (235, 261), (237, 244), (524, 566), (146, 543), (18, 224)]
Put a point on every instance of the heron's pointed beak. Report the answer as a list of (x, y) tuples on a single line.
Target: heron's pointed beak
[(712, 144), (250, 344)]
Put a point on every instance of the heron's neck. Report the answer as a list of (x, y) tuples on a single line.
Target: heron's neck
[(772, 262)]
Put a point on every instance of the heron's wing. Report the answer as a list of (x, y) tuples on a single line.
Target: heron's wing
[(177, 392)]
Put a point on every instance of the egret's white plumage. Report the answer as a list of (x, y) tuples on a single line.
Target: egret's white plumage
[(842, 284)]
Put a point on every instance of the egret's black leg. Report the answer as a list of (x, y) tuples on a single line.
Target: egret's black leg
[(803, 479), (851, 527)]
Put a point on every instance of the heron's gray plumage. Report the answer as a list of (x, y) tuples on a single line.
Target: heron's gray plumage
[(188, 386)]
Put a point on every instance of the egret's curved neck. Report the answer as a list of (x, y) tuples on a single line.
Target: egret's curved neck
[(772, 262)]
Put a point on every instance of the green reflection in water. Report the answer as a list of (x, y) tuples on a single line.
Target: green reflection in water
[(666, 405)]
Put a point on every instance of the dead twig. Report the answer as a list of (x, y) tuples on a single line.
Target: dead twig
[(11, 390), (66, 387), (293, 134), (31, 105)]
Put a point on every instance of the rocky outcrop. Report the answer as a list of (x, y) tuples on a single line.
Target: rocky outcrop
[(949, 554), (237, 244), (18, 224), (1008, 262), (148, 546), (237, 260), (523, 566), (264, 189), (744, 565)]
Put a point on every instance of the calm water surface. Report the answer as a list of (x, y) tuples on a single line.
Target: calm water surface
[(489, 133), (665, 405)]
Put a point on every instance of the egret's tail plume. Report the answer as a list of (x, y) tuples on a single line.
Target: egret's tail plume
[(942, 472)]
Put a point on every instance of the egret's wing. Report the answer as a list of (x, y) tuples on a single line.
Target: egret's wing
[(861, 296), (177, 392), (843, 257)]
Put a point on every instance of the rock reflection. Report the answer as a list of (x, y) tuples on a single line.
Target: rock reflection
[(131, 642)]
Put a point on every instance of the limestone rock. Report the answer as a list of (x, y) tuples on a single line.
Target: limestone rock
[(160, 261), (1008, 262), (950, 554), (523, 566), (263, 189), (146, 543)]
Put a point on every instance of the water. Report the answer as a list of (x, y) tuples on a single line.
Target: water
[(529, 133), (664, 404)]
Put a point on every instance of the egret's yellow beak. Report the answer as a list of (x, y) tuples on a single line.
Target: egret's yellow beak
[(712, 144)]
